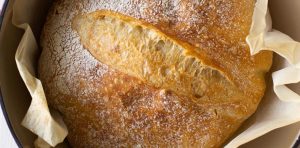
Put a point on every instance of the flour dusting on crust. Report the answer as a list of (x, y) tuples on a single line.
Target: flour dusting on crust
[(104, 107)]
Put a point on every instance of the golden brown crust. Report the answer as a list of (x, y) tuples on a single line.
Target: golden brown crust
[(105, 107)]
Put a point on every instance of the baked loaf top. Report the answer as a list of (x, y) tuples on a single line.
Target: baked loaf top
[(151, 73)]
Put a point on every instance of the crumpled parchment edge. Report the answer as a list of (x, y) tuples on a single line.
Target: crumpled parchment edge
[(284, 111), (262, 37), (38, 118)]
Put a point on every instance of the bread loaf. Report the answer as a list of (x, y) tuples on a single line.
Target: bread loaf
[(141, 73)]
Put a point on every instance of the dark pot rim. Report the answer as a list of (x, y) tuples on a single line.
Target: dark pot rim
[(2, 12), (8, 121), (2, 106), (297, 143)]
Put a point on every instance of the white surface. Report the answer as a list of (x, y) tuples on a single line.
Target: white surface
[(1, 5), (6, 139)]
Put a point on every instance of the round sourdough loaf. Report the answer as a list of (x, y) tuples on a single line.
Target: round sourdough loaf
[(143, 73)]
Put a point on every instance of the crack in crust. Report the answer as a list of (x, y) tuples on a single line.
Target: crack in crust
[(138, 49)]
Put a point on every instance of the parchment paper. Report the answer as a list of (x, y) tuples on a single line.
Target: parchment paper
[(38, 119), (279, 108), (283, 109)]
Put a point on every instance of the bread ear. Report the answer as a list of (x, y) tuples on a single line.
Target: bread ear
[(140, 50)]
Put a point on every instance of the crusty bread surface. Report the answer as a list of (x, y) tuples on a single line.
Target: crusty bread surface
[(134, 73)]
